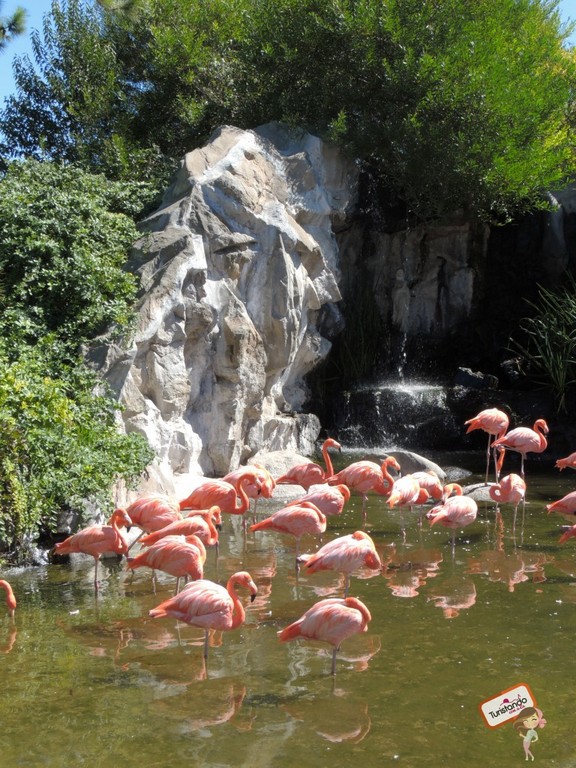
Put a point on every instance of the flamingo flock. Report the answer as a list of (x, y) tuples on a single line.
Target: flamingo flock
[(174, 535)]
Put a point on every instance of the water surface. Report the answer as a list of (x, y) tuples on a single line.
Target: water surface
[(94, 681)]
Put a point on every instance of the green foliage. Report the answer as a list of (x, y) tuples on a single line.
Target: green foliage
[(550, 346), (64, 236), (457, 104), (10, 27), (59, 444)]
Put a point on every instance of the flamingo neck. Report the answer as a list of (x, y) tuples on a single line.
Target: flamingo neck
[(327, 461), (387, 479), (244, 498), (238, 612), (120, 540)]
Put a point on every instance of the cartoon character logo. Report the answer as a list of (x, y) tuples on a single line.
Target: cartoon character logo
[(526, 723)]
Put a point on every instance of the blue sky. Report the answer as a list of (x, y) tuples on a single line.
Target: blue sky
[(38, 8)]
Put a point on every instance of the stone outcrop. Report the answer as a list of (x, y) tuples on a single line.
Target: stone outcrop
[(239, 288)]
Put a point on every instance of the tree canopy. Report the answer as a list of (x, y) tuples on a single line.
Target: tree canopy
[(450, 103), (11, 26)]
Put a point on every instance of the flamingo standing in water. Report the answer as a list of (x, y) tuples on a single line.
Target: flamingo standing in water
[(309, 473), (495, 423), (365, 476), (218, 492), (178, 556), (510, 490), (208, 605), (263, 486), (430, 481), (454, 512), (294, 520), (330, 621), (10, 598), (151, 513), (201, 523), (329, 499), (345, 554), (98, 539), (523, 440), (407, 491)]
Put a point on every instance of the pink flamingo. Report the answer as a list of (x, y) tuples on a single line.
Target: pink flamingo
[(345, 554), (510, 490), (430, 481), (10, 598), (454, 512), (178, 556), (407, 491), (365, 476), (201, 523), (151, 513), (263, 486), (331, 621), (294, 520), (523, 440), (222, 494), (97, 540), (208, 605), (309, 473), (568, 461), (329, 499), (495, 423), (565, 506)]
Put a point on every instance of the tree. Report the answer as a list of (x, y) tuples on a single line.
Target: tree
[(12, 26)]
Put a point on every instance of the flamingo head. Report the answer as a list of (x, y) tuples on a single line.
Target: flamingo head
[(331, 443), (243, 579), (121, 518), (216, 515)]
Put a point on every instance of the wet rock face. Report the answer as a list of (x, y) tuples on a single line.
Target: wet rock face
[(238, 271)]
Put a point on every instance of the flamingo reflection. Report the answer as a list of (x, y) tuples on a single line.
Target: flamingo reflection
[(453, 595)]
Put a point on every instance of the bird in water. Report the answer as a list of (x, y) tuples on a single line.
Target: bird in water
[(178, 556), (10, 598), (97, 540), (153, 512), (365, 476), (453, 512), (510, 490), (309, 473), (260, 485), (523, 440), (294, 520), (208, 605), (216, 492), (495, 423), (565, 506), (346, 555), (201, 523), (329, 499), (331, 621)]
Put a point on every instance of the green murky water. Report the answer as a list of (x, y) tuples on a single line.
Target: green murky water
[(95, 682)]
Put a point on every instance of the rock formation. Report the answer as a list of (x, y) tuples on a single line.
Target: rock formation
[(238, 271)]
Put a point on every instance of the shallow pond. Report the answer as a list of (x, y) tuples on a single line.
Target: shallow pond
[(95, 681)]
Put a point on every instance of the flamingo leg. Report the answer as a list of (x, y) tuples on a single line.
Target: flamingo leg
[(334, 653), (96, 585), (347, 585), (490, 438), (206, 643), (135, 540)]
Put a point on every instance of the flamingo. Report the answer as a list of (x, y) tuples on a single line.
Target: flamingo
[(523, 440), (568, 461), (329, 499), (345, 554), (407, 491), (10, 598), (495, 423), (201, 523), (331, 621), (151, 513), (98, 539), (454, 512), (565, 506), (176, 555), (208, 605), (364, 476), (570, 533), (430, 481), (295, 520), (309, 473), (223, 494), (264, 486), (510, 490)]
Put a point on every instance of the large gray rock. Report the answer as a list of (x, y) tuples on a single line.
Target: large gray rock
[(235, 267)]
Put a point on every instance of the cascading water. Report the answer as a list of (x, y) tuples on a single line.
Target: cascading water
[(396, 414)]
